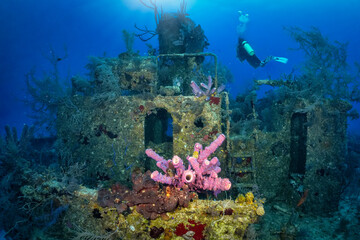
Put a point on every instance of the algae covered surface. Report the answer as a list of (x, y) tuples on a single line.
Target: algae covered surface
[(208, 219)]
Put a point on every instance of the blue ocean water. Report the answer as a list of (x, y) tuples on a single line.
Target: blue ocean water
[(94, 27)]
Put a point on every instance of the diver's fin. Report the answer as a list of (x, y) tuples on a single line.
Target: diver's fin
[(280, 59)]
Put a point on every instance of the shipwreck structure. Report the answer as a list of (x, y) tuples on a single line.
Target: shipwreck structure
[(292, 155), (145, 144), (113, 131), (290, 147)]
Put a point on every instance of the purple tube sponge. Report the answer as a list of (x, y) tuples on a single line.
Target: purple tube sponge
[(158, 177), (211, 148), (201, 173), (198, 92), (196, 89)]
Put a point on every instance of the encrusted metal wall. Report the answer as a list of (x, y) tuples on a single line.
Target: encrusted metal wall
[(326, 151), (273, 153), (110, 137)]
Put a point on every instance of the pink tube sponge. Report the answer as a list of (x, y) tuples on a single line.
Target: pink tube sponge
[(178, 162), (198, 147), (161, 162), (188, 176), (216, 184), (211, 148), (195, 164), (201, 174), (158, 177)]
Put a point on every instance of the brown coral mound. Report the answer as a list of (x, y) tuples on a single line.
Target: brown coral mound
[(150, 200)]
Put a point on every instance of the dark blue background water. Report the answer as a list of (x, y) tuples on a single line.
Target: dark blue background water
[(94, 27)]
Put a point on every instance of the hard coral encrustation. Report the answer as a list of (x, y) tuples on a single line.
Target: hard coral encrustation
[(260, 211), (201, 173), (168, 234), (249, 197)]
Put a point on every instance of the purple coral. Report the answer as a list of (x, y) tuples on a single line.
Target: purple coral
[(201, 174), (198, 92)]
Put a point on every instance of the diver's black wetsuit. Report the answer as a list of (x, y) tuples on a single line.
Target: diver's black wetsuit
[(242, 54)]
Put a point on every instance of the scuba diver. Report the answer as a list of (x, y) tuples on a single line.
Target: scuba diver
[(246, 52), (243, 20)]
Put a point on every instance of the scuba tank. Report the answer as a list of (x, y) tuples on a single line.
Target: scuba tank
[(248, 48)]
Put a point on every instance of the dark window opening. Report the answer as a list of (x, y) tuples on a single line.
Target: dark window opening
[(158, 127), (199, 122), (298, 133)]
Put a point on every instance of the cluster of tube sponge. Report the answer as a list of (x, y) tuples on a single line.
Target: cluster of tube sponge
[(209, 91), (201, 173)]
